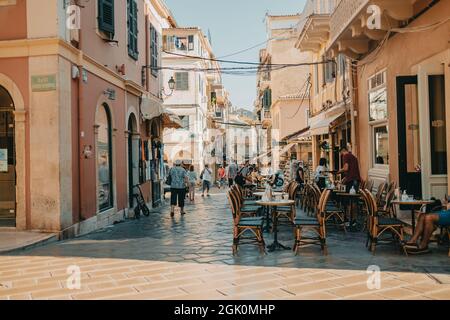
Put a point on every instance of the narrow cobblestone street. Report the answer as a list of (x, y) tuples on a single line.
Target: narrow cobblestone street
[(159, 257)]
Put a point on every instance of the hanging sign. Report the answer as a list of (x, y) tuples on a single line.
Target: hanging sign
[(43, 83), (3, 160)]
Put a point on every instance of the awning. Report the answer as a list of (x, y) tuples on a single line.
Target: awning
[(287, 148), (298, 134), (171, 120), (265, 154), (151, 109), (323, 126)]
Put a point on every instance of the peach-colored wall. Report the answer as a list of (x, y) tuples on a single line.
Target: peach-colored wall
[(401, 53), (92, 93), (13, 21), (112, 55)]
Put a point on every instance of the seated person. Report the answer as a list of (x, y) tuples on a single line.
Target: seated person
[(427, 224)]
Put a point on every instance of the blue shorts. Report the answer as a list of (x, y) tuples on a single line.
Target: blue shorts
[(444, 218)]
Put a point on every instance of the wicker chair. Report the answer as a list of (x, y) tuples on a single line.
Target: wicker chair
[(249, 210), (289, 211), (315, 225), (379, 194), (369, 185), (253, 227), (379, 225)]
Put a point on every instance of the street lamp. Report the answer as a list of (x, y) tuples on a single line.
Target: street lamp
[(171, 84)]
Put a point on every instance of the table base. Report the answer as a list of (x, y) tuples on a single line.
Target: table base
[(277, 246)]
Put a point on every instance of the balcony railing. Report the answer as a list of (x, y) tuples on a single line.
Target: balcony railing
[(343, 15)]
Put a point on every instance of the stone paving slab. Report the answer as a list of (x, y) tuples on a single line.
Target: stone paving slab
[(189, 257), (11, 240)]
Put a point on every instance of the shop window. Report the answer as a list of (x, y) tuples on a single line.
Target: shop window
[(381, 145), (438, 137), (378, 119), (104, 159)]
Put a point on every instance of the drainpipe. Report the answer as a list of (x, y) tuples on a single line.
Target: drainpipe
[(147, 80), (354, 91), (80, 128)]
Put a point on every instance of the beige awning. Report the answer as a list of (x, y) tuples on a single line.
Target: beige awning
[(323, 126), (287, 148), (151, 109), (261, 156)]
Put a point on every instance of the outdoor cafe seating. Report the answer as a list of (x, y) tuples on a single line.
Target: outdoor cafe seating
[(312, 211)]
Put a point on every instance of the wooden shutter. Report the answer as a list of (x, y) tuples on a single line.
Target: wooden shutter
[(132, 29), (181, 81), (190, 43), (106, 16), (154, 49)]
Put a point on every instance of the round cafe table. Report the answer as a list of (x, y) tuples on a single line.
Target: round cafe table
[(261, 194), (414, 204), (270, 204)]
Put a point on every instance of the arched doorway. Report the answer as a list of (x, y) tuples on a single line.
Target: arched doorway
[(104, 159), (133, 157), (7, 161)]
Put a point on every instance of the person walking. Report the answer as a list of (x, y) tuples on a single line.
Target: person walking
[(352, 178), (221, 176), (206, 177), (178, 180), (232, 172), (192, 177)]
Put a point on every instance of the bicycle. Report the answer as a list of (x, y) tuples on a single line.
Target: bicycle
[(141, 205)]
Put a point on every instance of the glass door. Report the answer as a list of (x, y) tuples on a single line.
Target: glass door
[(409, 154)]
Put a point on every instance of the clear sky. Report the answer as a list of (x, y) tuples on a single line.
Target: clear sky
[(234, 25)]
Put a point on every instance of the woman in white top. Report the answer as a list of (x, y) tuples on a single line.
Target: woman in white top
[(206, 177), (192, 175), (321, 173)]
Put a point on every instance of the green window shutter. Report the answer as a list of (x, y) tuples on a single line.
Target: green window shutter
[(106, 16), (154, 50), (269, 103), (132, 29)]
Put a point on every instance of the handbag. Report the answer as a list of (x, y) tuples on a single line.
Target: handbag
[(169, 179)]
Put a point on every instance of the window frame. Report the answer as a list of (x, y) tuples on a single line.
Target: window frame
[(373, 124), (177, 81)]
